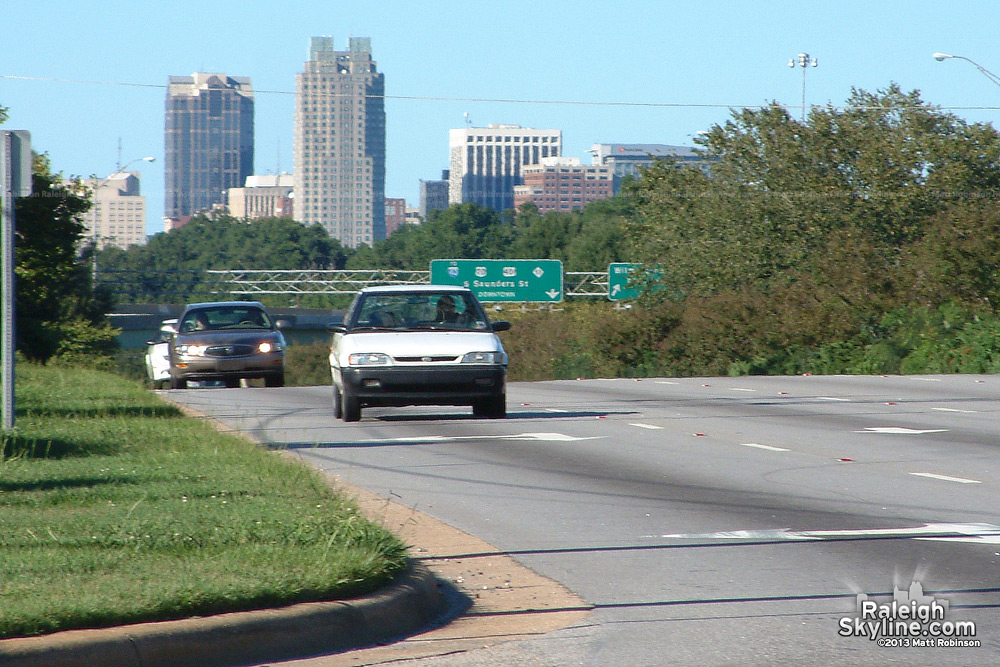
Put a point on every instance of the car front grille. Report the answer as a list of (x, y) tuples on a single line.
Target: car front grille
[(229, 351), (425, 360)]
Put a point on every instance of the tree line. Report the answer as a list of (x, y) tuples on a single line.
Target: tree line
[(863, 238)]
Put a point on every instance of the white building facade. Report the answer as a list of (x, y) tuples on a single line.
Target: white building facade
[(118, 216), (486, 162)]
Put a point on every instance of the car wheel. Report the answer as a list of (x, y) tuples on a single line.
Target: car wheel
[(494, 407), (277, 380), (178, 383), (351, 407), (337, 408), (232, 383)]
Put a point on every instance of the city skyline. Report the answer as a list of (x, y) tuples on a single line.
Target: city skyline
[(654, 72)]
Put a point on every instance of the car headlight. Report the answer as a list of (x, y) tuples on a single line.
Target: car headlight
[(485, 358), (269, 346), (192, 350), (368, 359)]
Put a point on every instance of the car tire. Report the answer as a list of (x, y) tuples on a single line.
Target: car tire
[(351, 407), (337, 407), (276, 380), (494, 407), (232, 383), (178, 383)]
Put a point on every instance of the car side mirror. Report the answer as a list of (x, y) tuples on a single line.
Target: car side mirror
[(501, 325), (336, 327), (282, 324)]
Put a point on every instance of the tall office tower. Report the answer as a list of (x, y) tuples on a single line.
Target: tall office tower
[(118, 216), (433, 195), (209, 141), (486, 161), (339, 145)]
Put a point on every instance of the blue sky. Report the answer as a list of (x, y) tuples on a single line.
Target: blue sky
[(687, 62)]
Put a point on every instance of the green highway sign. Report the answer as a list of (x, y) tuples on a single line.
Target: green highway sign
[(524, 280), (619, 274)]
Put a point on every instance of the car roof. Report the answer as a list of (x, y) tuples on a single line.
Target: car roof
[(381, 289), (225, 304)]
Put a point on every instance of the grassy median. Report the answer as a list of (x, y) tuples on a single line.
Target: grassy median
[(115, 508)]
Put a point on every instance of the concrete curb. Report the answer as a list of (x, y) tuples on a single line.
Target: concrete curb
[(411, 602)]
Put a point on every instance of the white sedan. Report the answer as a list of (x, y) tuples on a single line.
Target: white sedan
[(158, 355), (418, 345)]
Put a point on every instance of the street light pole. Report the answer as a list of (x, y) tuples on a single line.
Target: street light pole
[(988, 74), (803, 60)]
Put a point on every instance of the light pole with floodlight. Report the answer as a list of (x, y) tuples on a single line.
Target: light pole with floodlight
[(803, 60)]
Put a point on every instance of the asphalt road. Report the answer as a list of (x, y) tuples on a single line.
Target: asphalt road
[(709, 521)]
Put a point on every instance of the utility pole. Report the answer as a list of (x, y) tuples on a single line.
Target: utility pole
[(15, 181)]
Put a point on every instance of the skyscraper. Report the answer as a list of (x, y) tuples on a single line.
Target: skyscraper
[(118, 216), (486, 161), (209, 140), (339, 145)]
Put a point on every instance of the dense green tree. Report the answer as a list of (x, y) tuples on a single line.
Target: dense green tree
[(458, 232), (782, 194), (58, 311), (171, 266)]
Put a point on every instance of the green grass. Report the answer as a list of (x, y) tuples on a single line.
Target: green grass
[(115, 508)]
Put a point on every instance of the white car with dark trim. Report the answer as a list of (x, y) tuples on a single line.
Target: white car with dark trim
[(158, 355), (418, 345)]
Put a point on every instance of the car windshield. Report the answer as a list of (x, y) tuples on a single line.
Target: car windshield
[(415, 311), (225, 318)]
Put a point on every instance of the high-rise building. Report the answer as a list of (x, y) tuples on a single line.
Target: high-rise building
[(339, 145), (628, 159), (486, 162), (562, 184), (209, 141), (395, 214), (118, 216), (265, 196), (433, 195)]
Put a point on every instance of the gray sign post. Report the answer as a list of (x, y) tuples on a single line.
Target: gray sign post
[(15, 181)]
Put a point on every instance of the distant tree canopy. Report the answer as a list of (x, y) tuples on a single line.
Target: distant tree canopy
[(170, 268), (58, 311)]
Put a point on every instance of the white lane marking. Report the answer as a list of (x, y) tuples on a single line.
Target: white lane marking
[(927, 379), (651, 427), (946, 478), (833, 398), (545, 437), (767, 447), (555, 410), (740, 389), (940, 531), (666, 382), (953, 410), (899, 430)]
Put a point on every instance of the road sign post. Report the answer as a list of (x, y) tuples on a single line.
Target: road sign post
[(513, 280), (15, 181), (619, 275)]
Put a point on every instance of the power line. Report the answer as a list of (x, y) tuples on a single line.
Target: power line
[(497, 100)]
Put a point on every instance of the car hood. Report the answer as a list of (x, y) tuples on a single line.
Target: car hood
[(227, 337), (418, 343)]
